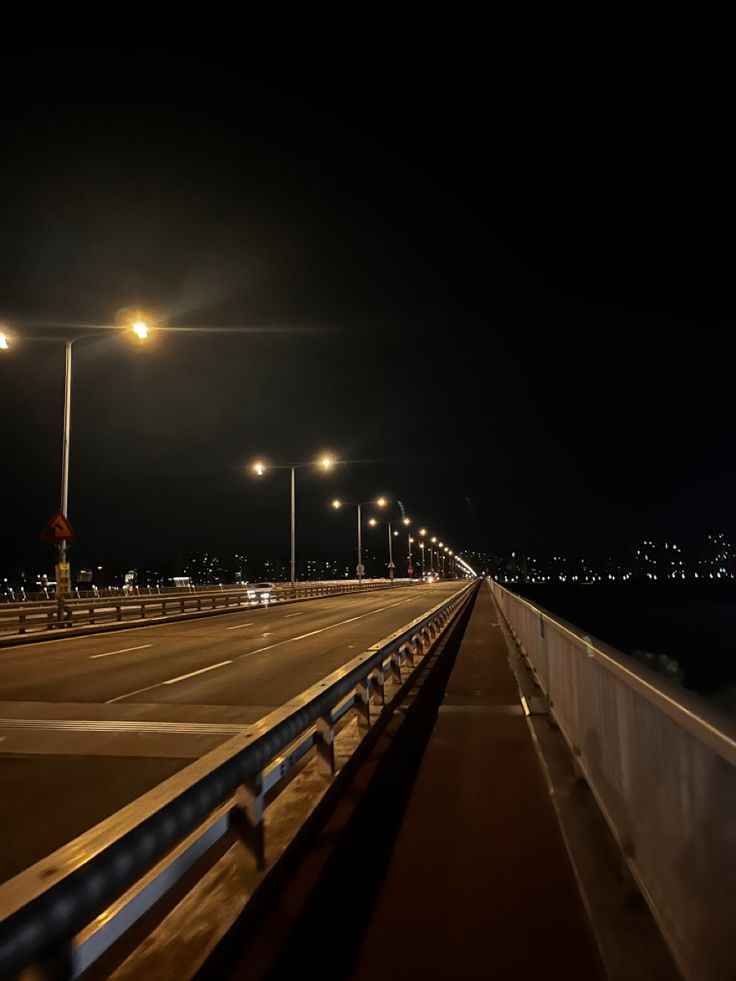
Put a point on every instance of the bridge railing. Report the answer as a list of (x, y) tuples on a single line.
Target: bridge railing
[(62, 614), (70, 907), (661, 763)]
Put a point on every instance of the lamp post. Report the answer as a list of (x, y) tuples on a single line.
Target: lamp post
[(337, 504), (422, 535), (391, 534), (325, 462), (406, 522), (139, 326)]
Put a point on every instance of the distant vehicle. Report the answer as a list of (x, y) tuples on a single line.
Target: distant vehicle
[(260, 592), (430, 577)]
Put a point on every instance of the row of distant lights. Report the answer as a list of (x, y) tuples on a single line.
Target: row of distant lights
[(327, 462), (723, 574)]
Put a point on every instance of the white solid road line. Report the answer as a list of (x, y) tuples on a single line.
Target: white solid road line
[(125, 650), (288, 615), (183, 677), (238, 626), (171, 681)]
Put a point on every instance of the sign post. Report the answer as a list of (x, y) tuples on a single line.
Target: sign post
[(58, 532)]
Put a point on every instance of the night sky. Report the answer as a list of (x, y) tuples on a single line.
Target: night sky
[(498, 272)]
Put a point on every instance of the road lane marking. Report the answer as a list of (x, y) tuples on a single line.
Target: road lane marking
[(293, 615), (238, 626), (125, 650), (183, 677), (120, 727), (170, 681)]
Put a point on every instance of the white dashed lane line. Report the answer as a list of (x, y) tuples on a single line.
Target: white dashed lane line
[(183, 677), (125, 650)]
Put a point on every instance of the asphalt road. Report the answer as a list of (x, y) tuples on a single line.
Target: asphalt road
[(87, 724)]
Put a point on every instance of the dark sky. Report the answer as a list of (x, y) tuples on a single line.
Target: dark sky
[(499, 269)]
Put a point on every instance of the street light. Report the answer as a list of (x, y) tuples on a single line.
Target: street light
[(422, 533), (325, 462), (337, 504), (406, 522), (138, 325), (391, 535)]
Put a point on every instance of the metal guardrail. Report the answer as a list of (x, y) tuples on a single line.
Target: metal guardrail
[(74, 904), (62, 614), (19, 597), (661, 762)]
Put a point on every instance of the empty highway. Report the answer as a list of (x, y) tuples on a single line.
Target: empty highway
[(89, 723)]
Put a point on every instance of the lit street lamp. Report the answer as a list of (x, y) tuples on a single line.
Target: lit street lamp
[(381, 502), (137, 324), (422, 533), (391, 535), (406, 522), (325, 462)]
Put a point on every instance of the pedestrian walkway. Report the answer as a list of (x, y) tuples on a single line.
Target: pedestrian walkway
[(479, 883)]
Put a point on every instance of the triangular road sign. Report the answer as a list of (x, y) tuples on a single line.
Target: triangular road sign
[(58, 529)]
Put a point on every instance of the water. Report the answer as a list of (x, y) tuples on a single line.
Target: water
[(686, 632)]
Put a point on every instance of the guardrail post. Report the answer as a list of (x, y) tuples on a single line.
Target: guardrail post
[(247, 819), (396, 666), (408, 650), (21, 623), (363, 702), (378, 682), (417, 642), (325, 746)]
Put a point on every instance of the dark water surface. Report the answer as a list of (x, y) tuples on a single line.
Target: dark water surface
[(687, 632)]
